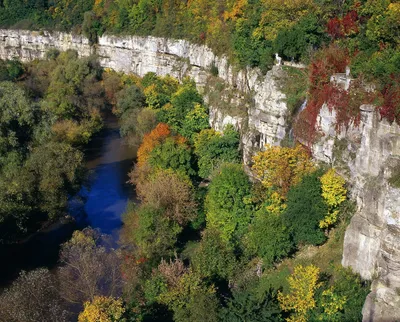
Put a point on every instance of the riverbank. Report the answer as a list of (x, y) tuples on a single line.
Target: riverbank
[(100, 205)]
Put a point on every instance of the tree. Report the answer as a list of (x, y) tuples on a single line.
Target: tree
[(191, 299), (173, 154), (135, 124), (331, 304), (18, 197), (302, 283), (129, 98), (226, 204), (278, 15), (91, 26), (17, 117), (151, 140), (171, 193), (102, 309), (213, 258), (32, 297), (184, 100), (59, 170), (334, 194), (153, 234), (213, 148), (247, 306), (305, 209), (279, 168), (268, 237), (299, 40), (195, 121), (87, 268), (70, 13), (74, 88), (158, 90), (350, 286)]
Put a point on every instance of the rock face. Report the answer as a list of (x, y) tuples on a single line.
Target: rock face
[(368, 155), (252, 101)]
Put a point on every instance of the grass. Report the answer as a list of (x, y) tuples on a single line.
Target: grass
[(294, 85), (327, 257)]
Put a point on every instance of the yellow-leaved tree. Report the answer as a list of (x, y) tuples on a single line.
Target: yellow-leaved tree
[(281, 14), (332, 304), (334, 193), (303, 283), (102, 309), (278, 168)]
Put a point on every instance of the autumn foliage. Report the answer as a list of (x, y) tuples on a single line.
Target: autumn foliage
[(334, 194), (102, 309), (151, 140), (390, 109), (279, 168), (339, 28), (300, 299)]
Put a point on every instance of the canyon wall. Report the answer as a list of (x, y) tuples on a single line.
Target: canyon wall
[(245, 98), (367, 155)]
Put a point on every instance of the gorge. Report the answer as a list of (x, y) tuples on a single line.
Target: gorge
[(367, 155)]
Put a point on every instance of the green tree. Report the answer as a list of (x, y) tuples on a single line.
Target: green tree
[(247, 306), (213, 148), (74, 88), (227, 209), (301, 39), (153, 234), (91, 26), (59, 170), (185, 99), (69, 13), (195, 121), (17, 117), (268, 237), (172, 154), (213, 257), (18, 197), (349, 285), (158, 90), (191, 299), (129, 98), (305, 209)]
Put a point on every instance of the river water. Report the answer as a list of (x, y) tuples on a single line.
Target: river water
[(102, 204)]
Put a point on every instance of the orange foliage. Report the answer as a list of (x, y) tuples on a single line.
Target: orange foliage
[(151, 140)]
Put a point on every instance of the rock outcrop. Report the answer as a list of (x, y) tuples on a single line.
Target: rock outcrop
[(369, 155), (250, 100)]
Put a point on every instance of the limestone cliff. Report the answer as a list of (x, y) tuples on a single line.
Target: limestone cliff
[(246, 98), (367, 155)]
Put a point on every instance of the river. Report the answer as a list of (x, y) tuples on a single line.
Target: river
[(104, 200)]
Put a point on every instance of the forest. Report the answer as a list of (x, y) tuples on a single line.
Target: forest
[(206, 242), (210, 239)]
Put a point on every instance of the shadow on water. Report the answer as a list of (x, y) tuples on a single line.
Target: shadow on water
[(100, 205)]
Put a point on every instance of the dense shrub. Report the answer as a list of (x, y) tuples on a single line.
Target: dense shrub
[(305, 209)]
